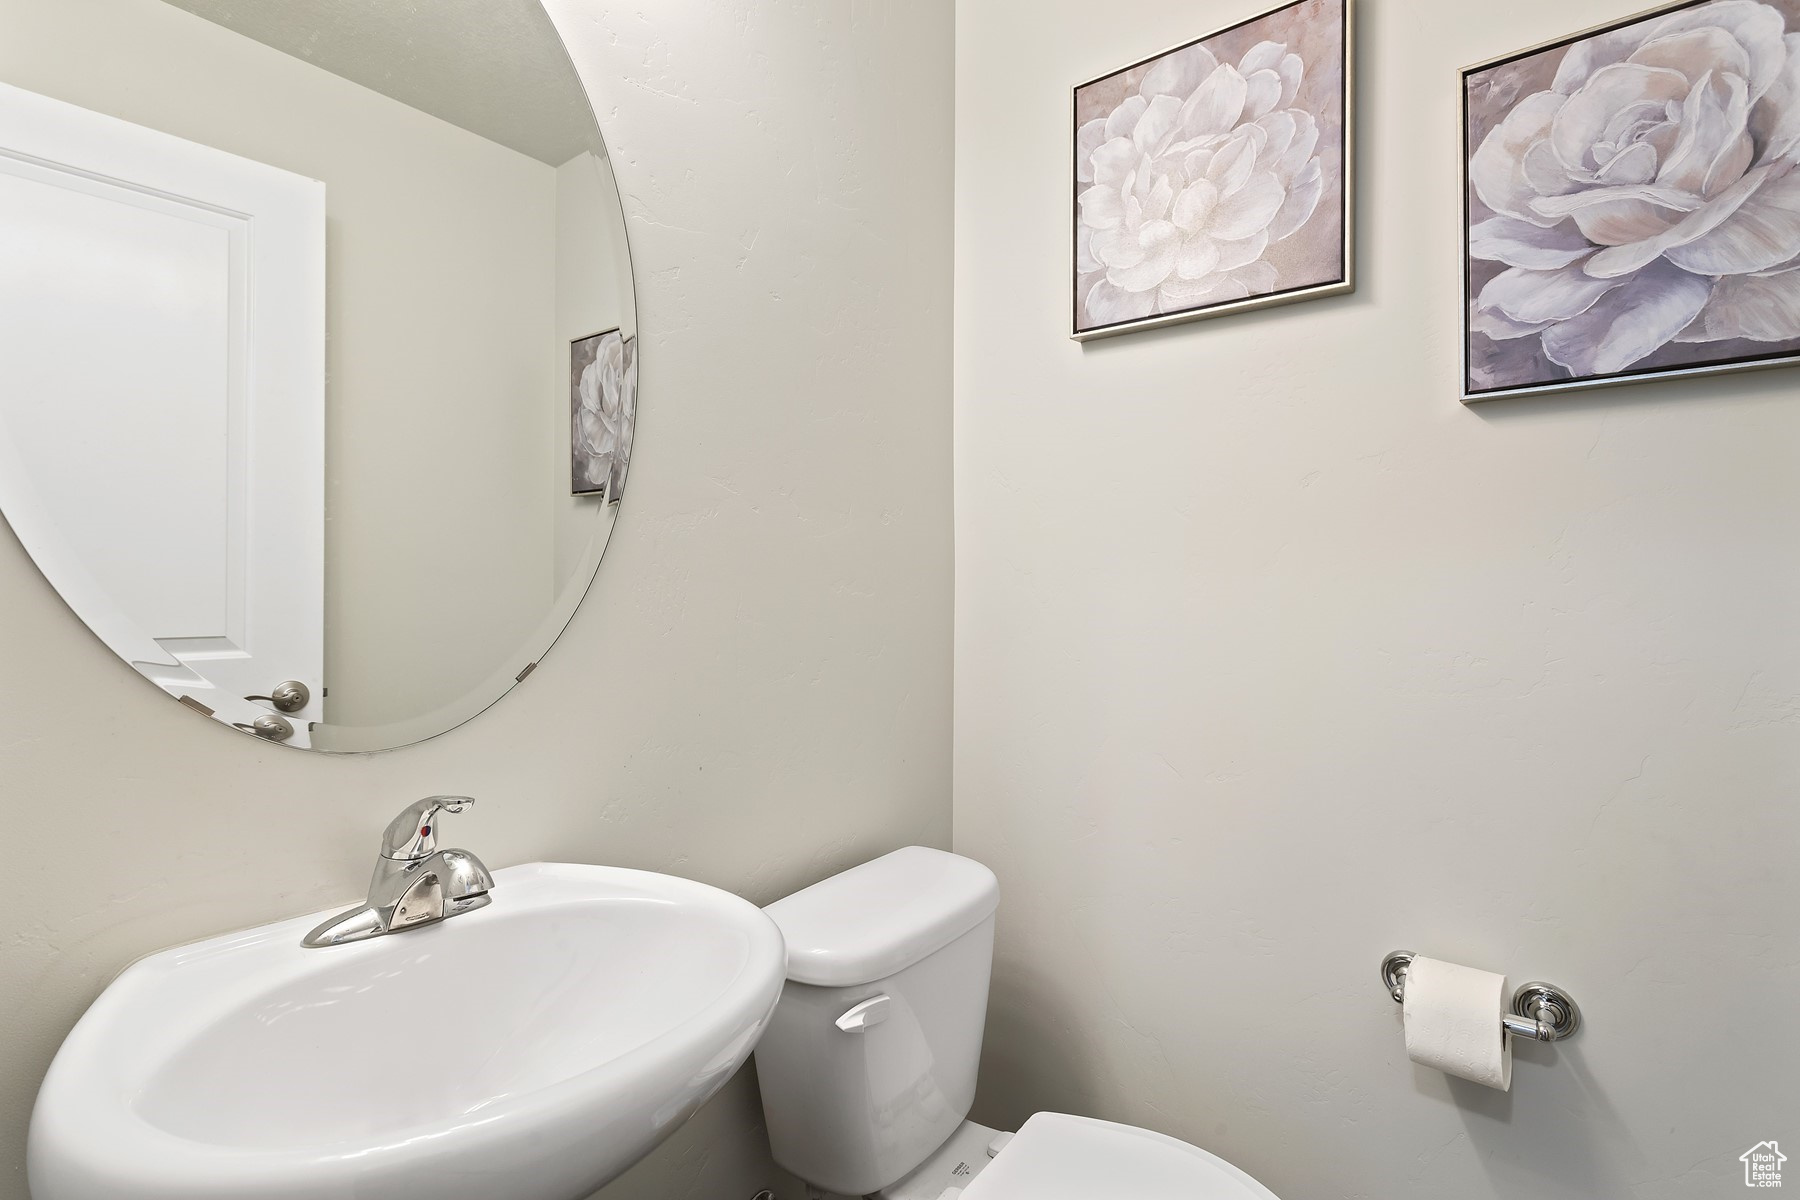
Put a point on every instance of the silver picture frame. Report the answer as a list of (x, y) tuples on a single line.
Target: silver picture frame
[(1466, 300), (1346, 282)]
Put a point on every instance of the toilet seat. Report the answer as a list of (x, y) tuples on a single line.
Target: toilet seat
[(1059, 1157)]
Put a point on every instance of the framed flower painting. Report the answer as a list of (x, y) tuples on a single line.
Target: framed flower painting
[(602, 412), (1216, 176), (1632, 201)]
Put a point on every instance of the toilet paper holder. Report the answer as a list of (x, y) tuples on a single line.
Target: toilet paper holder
[(1542, 1012)]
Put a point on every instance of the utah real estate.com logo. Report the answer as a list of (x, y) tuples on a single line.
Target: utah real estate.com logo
[(1762, 1165)]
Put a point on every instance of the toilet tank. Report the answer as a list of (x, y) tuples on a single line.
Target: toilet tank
[(868, 1065)]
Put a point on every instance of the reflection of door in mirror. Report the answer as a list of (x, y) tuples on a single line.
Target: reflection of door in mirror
[(268, 429), (162, 419)]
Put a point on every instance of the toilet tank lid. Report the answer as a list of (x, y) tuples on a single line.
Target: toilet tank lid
[(871, 921)]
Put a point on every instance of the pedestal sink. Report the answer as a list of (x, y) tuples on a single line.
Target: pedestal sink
[(529, 1051)]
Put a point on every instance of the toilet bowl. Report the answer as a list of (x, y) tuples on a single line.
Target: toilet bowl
[(868, 1065)]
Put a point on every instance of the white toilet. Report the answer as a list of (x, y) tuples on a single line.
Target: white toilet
[(868, 1067)]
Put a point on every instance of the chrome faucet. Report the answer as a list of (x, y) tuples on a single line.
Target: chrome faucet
[(415, 883)]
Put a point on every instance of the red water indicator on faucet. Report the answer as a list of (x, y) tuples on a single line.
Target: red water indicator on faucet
[(424, 831)]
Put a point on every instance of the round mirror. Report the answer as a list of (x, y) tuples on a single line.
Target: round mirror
[(319, 379)]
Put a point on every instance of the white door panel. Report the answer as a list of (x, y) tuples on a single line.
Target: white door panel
[(138, 287), (162, 397)]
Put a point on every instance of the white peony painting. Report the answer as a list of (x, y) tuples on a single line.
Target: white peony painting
[(1215, 177), (603, 410), (1633, 201)]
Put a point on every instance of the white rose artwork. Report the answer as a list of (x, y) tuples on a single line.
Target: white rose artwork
[(1633, 201), (1213, 177), (603, 412)]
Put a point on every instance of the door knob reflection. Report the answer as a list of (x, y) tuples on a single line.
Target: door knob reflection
[(272, 727), (287, 696)]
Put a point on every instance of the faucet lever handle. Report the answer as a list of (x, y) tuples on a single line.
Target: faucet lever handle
[(413, 834)]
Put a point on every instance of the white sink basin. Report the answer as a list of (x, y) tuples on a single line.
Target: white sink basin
[(531, 1050)]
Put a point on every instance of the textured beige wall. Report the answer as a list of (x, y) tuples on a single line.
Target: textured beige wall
[(1272, 657), (757, 690)]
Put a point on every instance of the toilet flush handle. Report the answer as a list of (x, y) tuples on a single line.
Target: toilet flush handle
[(869, 1013)]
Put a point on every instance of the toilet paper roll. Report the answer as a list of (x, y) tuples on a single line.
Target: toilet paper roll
[(1453, 1021)]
